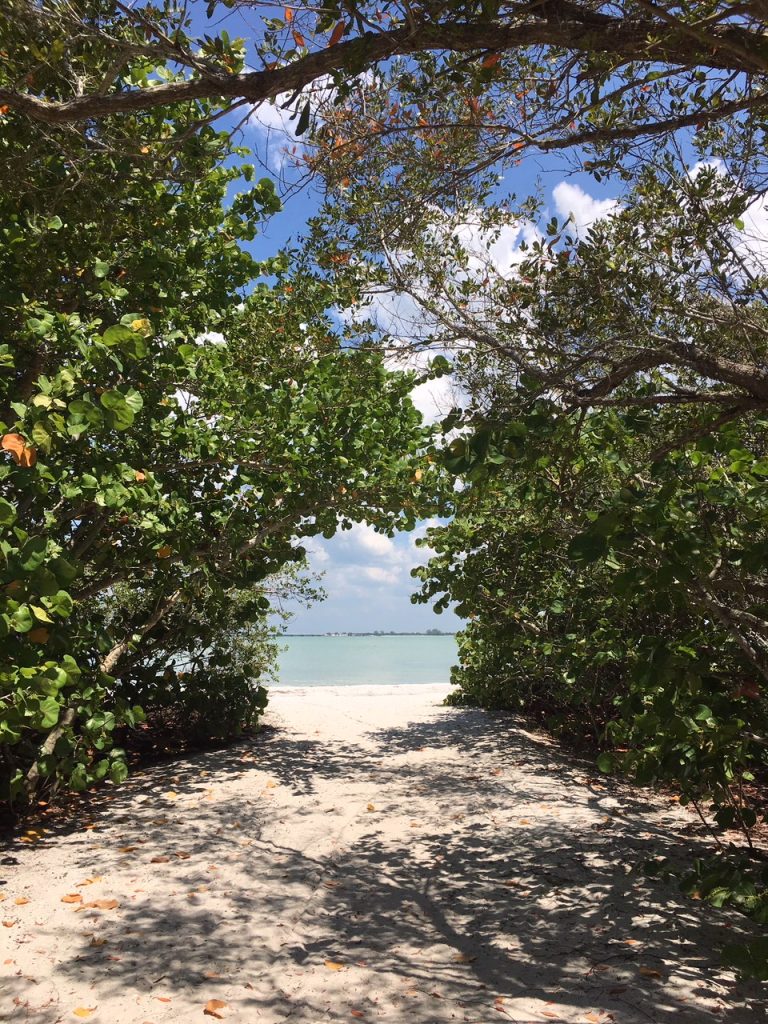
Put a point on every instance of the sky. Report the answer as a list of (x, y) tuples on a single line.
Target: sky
[(366, 575)]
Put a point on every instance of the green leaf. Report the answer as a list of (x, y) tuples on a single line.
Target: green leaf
[(7, 513)]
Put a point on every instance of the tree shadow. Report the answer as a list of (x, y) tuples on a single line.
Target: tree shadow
[(488, 878)]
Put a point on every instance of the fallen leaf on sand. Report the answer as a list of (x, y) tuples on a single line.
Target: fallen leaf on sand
[(21, 901), (212, 1007), (333, 966), (98, 942), (84, 1011), (594, 1017), (271, 785), (357, 1013), (9, 924), (103, 904), (182, 855), (370, 807), (649, 972), (72, 897), (163, 999), (170, 795), (89, 881), (128, 849), (524, 821), (548, 1013), (211, 974), (159, 860), (463, 958), (631, 942)]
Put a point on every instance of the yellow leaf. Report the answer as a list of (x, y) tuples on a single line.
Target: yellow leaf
[(72, 897), (165, 551), (21, 901), (370, 807), (84, 1011), (333, 966), (212, 1007)]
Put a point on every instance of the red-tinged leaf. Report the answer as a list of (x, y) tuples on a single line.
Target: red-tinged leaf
[(24, 455), (159, 860), (162, 999), (338, 31), (213, 1006), (491, 60), (298, 38), (9, 924), (289, 14), (357, 1013)]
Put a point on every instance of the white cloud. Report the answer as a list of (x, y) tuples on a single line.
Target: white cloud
[(572, 201)]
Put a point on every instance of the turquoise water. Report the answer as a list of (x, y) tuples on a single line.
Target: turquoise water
[(354, 660)]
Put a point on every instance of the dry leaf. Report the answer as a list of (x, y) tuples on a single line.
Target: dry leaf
[(159, 860), (370, 807), (170, 795), (84, 1011), (9, 924), (128, 849), (338, 31), (649, 972), (103, 904), (491, 60), (594, 1017), (357, 1013), (24, 455), (162, 999), (524, 821), (21, 901), (89, 881), (631, 942), (72, 897), (182, 855), (213, 1006), (552, 1016), (211, 974), (333, 966), (463, 958), (98, 942)]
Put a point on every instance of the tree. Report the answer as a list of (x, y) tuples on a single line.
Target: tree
[(583, 72), (171, 427)]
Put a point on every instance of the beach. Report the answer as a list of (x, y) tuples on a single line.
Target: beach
[(371, 855)]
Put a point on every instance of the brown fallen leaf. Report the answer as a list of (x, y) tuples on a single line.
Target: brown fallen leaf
[(9, 924), (370, 807), (159, 860), (103, 904), (182, 855), (333, 966), (89, 881), (649, 972), (463, 958), (98, 942), (72, 897), (357, 1013), (84, 1011), (127, 849), (212, 1007), (211, 974), (21, 901), (524, 821)]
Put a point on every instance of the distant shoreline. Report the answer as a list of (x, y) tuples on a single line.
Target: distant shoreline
[(376, 633)]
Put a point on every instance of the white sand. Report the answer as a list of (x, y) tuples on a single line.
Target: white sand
[(373, 857)]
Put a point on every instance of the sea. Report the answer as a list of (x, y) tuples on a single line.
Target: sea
[(365, 660)]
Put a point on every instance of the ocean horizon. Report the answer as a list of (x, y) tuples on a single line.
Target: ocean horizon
[(383, 659)]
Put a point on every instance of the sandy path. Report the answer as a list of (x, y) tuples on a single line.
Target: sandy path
[(373, 857)]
